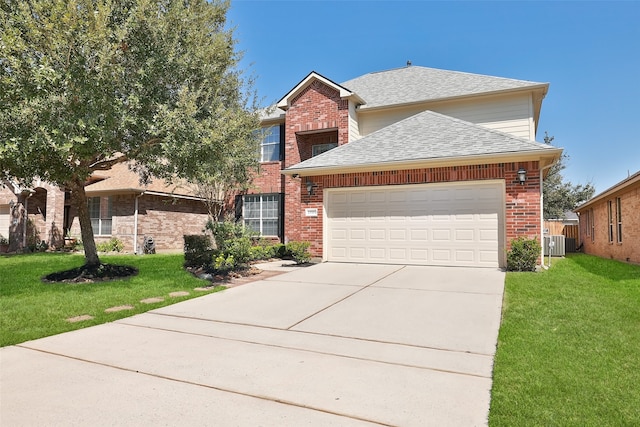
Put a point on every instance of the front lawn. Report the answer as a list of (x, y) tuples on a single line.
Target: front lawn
[(569, 346), (31, 309)]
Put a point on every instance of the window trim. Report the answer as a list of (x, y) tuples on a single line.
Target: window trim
[(265, 134), (261, 218), (105, 214), (593, 225)]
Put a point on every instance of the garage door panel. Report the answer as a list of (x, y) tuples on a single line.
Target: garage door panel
[(357, 234), (443, 235), (416, 235), (397, 234), (464, 235), (432, 224)]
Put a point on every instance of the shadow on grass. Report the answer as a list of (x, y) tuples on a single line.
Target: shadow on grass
[(606, 268)]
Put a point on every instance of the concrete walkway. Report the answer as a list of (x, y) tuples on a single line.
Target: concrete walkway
[(331, 344)]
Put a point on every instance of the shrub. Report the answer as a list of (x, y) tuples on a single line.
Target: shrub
[(197, 250), (239, 248), (262, 252), (299, 251), (112, 245), (280, 251), (226, 231), (224, 264), (523, 255)]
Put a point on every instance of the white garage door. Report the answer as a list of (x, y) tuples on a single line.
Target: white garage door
[(4, 220), (452, 224)]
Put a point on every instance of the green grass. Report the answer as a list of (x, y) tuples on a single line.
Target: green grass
[(31, 309), (569, 346)]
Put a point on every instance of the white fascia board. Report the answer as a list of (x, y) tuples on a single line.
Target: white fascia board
[(344, 92)]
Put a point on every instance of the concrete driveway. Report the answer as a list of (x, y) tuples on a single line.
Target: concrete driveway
[(331, 344)]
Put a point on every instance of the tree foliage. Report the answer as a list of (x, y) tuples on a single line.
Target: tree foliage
[(87, 84), (561, 196)]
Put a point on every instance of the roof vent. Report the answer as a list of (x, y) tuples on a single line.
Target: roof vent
[(408, 63)]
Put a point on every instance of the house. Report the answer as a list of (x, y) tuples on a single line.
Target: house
[(411, 165), (120, 206), (610, 222)]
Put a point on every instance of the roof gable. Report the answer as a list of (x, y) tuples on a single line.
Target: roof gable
[(427, 136), (285, 102), (414, 84)]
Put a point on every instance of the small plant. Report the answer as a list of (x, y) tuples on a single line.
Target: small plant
[(3, 240), (112, 245), (299, 251), (523, 255)]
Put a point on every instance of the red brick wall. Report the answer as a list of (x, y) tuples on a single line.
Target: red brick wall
[(316, 108), (629, 249), (522, 202), (268, 179)]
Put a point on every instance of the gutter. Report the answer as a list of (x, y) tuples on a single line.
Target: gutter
[(518, 156)]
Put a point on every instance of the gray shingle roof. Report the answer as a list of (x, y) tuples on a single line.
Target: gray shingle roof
[(417, 84), (424, 136)]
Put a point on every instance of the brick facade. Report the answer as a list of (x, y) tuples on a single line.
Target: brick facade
[(317, 115), (164, 219), (598, 242), (522, 202)]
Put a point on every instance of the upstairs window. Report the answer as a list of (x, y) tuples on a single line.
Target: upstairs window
[(270, 144), (101, 215), (321, 148)]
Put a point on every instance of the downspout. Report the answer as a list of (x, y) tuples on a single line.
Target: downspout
[(542, 215), (135, 224)]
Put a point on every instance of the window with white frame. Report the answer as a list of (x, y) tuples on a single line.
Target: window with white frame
[(101, 215), (321, 148), (610, 218), (619, 218), (270, 144), (261, 213), (593, 225)]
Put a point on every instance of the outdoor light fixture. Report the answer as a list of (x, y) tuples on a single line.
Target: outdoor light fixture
[(295, 175), (310, 186), (522, 175)]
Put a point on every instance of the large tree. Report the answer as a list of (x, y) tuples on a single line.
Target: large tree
[(87, 84), (561, 196)]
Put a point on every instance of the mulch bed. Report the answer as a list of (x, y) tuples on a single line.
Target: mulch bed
[(90, 274)]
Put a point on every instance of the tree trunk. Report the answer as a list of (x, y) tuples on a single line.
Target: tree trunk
[(79, 200)]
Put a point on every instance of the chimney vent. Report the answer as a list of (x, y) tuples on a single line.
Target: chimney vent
[(408, 63)]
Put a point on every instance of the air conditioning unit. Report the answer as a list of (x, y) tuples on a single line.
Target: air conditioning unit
[(557, 249)]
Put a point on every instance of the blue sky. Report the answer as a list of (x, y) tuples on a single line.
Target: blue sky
[(589, 52)]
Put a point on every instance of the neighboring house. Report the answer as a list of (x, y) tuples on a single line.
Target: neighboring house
[(119, 206), (412, 165), (610, 222)]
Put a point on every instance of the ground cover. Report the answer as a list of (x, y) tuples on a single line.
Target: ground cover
[(30, 308), (569, 346)]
